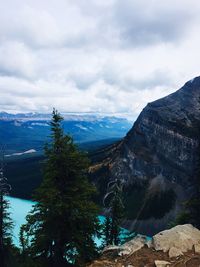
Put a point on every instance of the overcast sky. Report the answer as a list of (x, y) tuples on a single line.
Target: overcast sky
[(107, 56)]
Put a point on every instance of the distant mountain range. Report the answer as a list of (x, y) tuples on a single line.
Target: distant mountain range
[(26, 131), (68, 116)]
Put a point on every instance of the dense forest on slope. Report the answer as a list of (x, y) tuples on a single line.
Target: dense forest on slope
[(24, 172)]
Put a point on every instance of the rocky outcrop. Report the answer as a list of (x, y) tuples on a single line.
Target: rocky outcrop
[(174, 247), (156, 160), (177, 240), (129, 247)]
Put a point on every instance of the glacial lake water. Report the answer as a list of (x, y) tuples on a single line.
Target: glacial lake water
[(19, 208)]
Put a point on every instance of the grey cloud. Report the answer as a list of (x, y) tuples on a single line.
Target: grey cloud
[(90, 24), (87, 55), (16, 60), (142, 23), (155, 79), (132, 23)]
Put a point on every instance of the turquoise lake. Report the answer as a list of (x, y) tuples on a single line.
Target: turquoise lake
[(19, 208)]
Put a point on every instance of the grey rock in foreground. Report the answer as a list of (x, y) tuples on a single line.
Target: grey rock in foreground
[(175, 241), (162, 263), (178, 246), (129, 247)]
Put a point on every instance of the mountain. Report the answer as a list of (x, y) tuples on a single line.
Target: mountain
[(156, 160), (29, 131)]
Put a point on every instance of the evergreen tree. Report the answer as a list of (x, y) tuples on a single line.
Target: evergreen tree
[(24, 241), (6, 224), (106, 231), (113, 221), (62, 224)]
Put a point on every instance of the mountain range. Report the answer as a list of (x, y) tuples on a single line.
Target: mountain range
[(29, 131)]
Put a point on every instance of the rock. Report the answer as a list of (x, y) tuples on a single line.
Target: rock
[(197, 248), (129, 247), (175, 241), (149, 243), (162, 263), (104, 263), (181, 237), (175, 252), (111, 247), (132, 246)]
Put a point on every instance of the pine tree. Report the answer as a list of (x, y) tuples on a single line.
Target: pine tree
[(106, 231), (6, 224), (112, 228), (64, 221), (23, 241)]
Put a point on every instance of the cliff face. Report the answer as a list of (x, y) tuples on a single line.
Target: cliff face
[(156, 159)]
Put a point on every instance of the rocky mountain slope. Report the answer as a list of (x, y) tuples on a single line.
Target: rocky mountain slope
[(156, 160)]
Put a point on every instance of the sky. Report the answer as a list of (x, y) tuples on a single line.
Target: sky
[(96, 56)]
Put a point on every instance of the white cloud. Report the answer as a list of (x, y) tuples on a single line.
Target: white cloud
[(16, 60), (109, 56)]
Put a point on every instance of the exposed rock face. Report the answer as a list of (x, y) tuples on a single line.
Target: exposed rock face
[(163, 139), (157, 157)]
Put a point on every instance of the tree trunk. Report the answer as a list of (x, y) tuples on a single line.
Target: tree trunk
[(58, 258)]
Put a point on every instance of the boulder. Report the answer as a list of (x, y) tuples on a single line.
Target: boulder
[(177, 240), (111, 247), (170, 244), (162, 263), (129, 247), (132, 246), (197, 248), (175, 252)]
